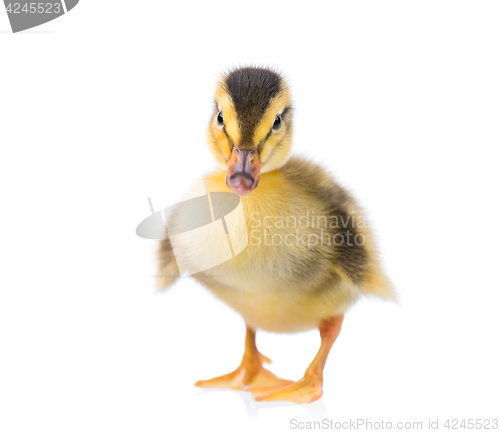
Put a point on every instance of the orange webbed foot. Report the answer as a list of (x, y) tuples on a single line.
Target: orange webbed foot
[(249, 374), (306, 390)]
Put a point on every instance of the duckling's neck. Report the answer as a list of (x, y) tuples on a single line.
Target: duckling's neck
[(271, 186)]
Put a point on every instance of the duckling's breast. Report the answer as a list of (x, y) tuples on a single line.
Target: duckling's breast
[(286, 278)]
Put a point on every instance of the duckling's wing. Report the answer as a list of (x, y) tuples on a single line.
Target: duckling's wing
[(168, 272)]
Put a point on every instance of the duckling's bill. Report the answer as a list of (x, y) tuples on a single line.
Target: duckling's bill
[(243, 171)]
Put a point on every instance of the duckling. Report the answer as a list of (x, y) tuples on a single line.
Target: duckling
[(309, 254)]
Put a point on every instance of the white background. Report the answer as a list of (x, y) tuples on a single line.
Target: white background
[(109, 105)]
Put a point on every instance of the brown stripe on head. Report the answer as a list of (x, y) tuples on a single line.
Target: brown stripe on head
[(251, 91)]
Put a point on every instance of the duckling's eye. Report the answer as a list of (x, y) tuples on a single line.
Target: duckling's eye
[(220, 119), (277, 122)]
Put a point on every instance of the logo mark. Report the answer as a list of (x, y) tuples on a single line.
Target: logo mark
[(204, 231), (24, 15)]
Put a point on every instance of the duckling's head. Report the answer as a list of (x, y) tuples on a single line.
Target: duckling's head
[(250, 131)]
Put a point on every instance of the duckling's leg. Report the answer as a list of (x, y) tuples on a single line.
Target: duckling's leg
[(249, 373), (310, 387)]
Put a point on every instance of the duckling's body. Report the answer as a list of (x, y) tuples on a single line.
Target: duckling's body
[(291, 275), (310, 253)]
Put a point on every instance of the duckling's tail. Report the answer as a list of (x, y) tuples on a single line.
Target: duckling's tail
[(168, 272), (379, 285)]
